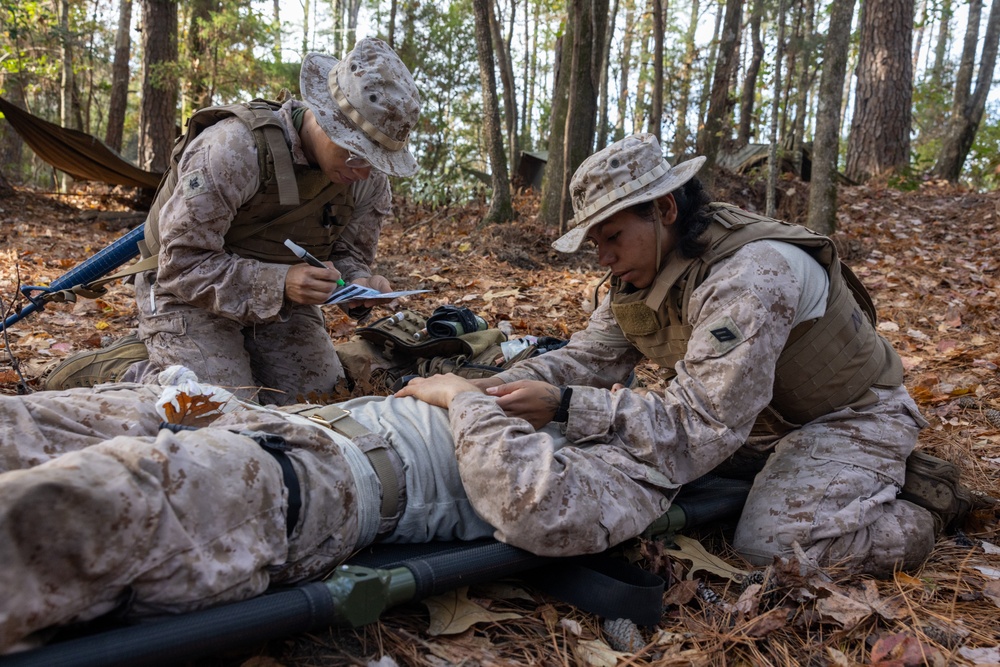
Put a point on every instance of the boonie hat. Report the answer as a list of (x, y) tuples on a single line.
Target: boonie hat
[(366, 103), (627, 172)]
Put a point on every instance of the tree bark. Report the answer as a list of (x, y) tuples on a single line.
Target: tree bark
[(276, 30), (803, 86), (717, 119), (964, 125), (941, 48), (500, 203), (625, 70), (574, 107), (772, 152), (680, 143), (749, 91), (198, 91), (602, 113), (967, 64), (118, 102), (502, 50), (656, 106), (883, 100), (822, 216), (391, 39), (713, 50), (158, 111)]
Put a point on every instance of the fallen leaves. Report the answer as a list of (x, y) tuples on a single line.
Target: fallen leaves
[(453, 612)]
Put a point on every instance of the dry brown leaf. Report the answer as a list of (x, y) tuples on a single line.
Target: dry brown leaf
[(195, 410), (701, 561), (453, 612), (596, 653), (905, 650)]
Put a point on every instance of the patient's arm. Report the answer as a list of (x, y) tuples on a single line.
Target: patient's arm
[(437, 390)]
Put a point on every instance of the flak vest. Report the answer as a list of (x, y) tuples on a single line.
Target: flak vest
[(827, 363), (293, 201)]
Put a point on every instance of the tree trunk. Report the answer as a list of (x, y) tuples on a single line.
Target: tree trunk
[(656, 107), (276, 31), (748, 94), (66, 69), (713, 49), (625, 70), (680, 143), (500, 204), (574, 107), (305, 27), (158, 111), (941, 48), (645, 55), (772, 152), (502, 50), (530, 77), (351, 37), (805, 80), (967, 64), (118, 102), (393, 6), (198, 91), (963, 126), (883, 100), (823, 185), (919, 28), (602, 113), (717, 119)]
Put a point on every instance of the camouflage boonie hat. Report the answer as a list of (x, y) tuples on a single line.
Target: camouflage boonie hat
[(366, 103), (627, 172)]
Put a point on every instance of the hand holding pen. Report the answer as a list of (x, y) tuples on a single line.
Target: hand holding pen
[(306, 283)]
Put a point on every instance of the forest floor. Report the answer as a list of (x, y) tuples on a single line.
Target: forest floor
[(929, 258)]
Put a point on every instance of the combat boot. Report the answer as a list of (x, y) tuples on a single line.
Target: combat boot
[(92, 367), (933, 484)]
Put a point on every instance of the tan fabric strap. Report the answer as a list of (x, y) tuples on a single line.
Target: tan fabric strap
[(623, 191), (362, 122), (340, 420)]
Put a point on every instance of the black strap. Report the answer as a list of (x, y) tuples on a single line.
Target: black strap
[(276, 446), (606, 586)]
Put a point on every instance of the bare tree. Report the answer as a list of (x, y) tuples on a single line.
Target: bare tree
[(118, 102), (965, 122), (500, 204), (157, 113), (823, 185)]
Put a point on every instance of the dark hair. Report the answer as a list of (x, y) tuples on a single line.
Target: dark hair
[(693, 216)]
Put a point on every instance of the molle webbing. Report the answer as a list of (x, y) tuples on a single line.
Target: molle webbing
[(274, 158)]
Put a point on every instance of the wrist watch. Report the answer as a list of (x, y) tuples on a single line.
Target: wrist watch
[(562, 412)]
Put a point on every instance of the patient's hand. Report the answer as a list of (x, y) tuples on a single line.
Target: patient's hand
[(437, 390)]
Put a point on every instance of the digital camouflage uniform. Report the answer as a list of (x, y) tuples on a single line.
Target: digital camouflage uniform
[(101, 509), (227, 315), (216, 302), (829, 484)]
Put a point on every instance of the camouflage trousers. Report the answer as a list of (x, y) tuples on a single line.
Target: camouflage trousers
[(100, 509), (831, 487), (278, 363)]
